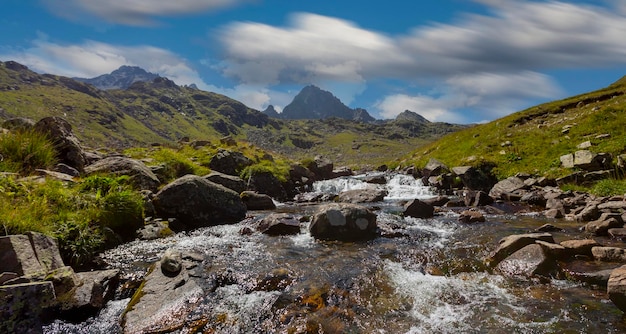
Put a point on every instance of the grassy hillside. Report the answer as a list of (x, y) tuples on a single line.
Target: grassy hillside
[(533, 140), (162, 112)]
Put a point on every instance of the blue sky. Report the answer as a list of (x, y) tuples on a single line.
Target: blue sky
[(458, 61)]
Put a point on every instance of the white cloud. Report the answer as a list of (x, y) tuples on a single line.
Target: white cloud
[(488, 95), (133, 12), (92, 58)]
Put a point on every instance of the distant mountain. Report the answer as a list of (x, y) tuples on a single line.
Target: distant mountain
[(410, 116), (121, 78), (315, 103), (271, 112)]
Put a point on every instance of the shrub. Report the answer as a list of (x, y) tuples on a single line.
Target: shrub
[(78, 242), (25, 151), (122, 212)]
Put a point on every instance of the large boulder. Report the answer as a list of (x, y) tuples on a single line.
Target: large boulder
[(141, 176), (256, 201), (164, 299), (589, 161), (66, 143), (507, 186), (196, 202), (346, 222), (419, 209), (362, 196), (266, 183), (512, 243), (279, 224), (32, 255), (474, 178), (232, 182), (435, 167), (24, 308), (529, 261), (91, 293), (322, 168), (229, 162)]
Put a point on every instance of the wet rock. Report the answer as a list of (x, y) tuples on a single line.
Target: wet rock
[(25, 308), (256, 201), (278, 280), (511, 244), (171, 262), (346, 222), (419, 209), (529, 261), (548, 228), (437, 201), (279, 224), (375, 179), (601, 226), (589, 213), (229, 162), (66, 143), (362, 196), (476, 198), (609, 254), (232, 182), (196, 202), (267, 183), (162, 303), (554, 213), (93, 291), (553, 250), (141, 176), (579, 247), (342, 171), (507, 186), (469, 216), (588, 272), (617, 233), (616, 287), (534, 198)]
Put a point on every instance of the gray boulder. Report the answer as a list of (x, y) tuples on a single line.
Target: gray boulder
[(267, 183), (529, 261), (256, 201), (141, 176), (507, 186), (419, 209), (232, 182), (279, 224), (474, 178), (511, 244), (435, 167), (345, 222), (163, 301), (66, 143), (196, 202), (362, 196), (24, 308), (609, 254), (229, 162)]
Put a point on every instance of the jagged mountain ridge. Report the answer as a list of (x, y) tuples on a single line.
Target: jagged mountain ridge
[(122, 78), (315, 103), (159, 111)]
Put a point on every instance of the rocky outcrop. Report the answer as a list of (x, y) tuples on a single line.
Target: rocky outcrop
[(256, 201), (345, 222), (67, 145), (140, 175), (266, 183), (196, 202), (506, 187), (616, 288), (229, 162), (322, 168)]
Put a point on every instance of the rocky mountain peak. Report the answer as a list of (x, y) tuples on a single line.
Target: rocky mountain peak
[(122, 78), (411, 116), (271, 112), (315, 103)]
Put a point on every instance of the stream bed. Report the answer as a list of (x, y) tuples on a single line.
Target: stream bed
[(428, 279)]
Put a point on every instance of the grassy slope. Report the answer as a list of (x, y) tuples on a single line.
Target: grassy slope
[(537, 135)]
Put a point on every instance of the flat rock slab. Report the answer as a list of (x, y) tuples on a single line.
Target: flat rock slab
[(513, 243)]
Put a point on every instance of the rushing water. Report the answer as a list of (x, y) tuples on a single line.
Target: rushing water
[(430, 280)]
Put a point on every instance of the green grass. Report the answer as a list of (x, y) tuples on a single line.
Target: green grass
[(81, 216), (25, 151), (536, 135)]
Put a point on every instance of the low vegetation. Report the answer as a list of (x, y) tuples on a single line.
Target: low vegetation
[(533, 140), (24, 151)]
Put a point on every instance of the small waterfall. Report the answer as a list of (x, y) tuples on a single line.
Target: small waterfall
[(406, 187), (399, 187)]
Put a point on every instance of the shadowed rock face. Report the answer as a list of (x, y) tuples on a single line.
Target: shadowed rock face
[(60, 133), (196, 202), (345, 222)]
